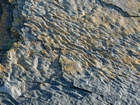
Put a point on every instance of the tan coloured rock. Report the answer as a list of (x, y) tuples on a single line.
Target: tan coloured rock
[(69, 65), (2, 68)]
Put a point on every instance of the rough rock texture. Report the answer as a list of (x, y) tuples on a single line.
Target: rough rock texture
[(74, 52)]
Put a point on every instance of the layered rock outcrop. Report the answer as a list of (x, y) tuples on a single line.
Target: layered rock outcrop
[(74, 52)]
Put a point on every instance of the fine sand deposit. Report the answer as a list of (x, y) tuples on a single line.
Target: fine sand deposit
[(70, 52)]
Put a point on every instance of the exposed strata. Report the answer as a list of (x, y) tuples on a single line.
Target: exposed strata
[(129, 7), (74, 52)]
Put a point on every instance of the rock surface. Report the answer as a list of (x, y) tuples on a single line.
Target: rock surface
[(73, 52), (7, 37)]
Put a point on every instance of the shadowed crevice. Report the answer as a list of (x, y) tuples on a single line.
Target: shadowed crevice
[(6, 36)]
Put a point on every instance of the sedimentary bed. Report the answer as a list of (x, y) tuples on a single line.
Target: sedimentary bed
[(73, 52)]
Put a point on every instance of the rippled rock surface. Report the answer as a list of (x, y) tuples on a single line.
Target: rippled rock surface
[(74, 52)]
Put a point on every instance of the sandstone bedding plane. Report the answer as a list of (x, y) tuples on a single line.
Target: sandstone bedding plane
[(72, 52)]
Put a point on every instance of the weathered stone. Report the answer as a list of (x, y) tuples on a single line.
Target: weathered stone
[(12, 88), (75, 52)]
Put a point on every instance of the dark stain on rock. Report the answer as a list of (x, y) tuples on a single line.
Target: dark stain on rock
[(6, 36), (0, 10)]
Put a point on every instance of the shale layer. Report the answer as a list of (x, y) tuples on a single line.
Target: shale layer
[(73, 52)]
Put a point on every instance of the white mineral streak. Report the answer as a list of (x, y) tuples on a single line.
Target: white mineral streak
[(12, 88)]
